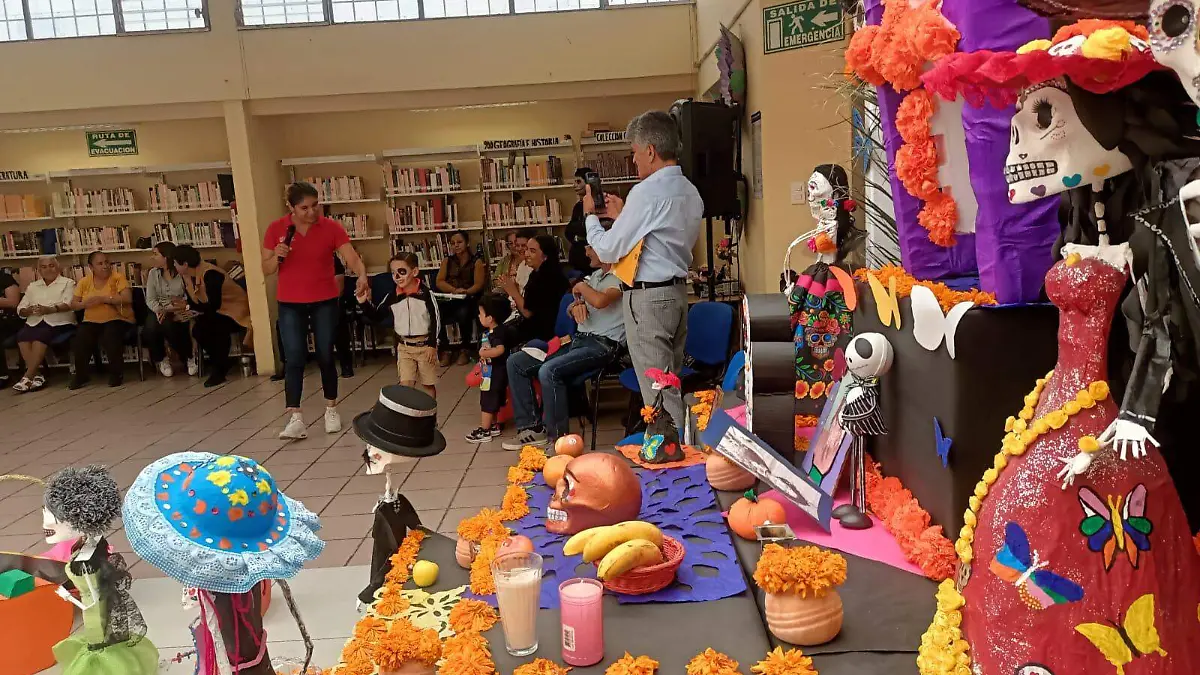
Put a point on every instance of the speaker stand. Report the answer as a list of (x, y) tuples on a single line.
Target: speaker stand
[(712, 269)]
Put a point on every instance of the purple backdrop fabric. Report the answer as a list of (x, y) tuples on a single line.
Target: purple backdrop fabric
[(1013, 241), (683, 505)]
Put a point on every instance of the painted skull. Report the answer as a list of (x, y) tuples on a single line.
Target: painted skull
[(57, 531), (869, 355), (1050, 150), (379, 461), (821, 335), (1173, 39), (820, 198), (596, 489)]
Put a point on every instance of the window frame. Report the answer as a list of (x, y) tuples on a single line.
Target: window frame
[(328, 9), (119, 18)]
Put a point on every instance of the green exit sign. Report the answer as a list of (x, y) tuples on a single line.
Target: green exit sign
[(802, 24), (110, 143)]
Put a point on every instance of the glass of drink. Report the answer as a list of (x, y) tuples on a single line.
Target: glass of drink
[(582, 621), (518, 579)]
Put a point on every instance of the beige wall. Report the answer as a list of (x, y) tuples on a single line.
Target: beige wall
[(166, 142), (801, 126)]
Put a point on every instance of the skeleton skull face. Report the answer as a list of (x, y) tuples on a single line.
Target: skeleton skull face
[(379, 461), (1051, 151), (869, 355), (596, 489), (57, 531), (820, 196), (1173, 39)]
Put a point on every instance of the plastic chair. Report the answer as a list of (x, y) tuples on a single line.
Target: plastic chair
[(565, 323), (133, 336), (732, 372), (381, 285)]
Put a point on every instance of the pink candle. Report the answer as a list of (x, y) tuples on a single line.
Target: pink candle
[(582, 621)]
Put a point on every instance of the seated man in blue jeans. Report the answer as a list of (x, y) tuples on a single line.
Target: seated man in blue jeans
[(601, 332)]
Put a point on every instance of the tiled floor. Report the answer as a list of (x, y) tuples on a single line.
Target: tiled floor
[(128, 427)]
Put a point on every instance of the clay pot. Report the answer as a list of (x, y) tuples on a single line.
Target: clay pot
[(725, 475), (804, 621), (464, 553), (410, 668)]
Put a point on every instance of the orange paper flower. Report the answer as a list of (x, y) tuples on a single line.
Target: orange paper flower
[(938, 216), (946, 296), (779, 662), (405, 643), (804, 570), (647, 414), (541, 667), (923, 544), (712, 662), (467, 654), (471, 615), (631, 665)]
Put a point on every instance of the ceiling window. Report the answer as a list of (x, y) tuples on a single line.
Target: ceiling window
[(357, 11), (438, 9), (281, 12), (528, 6), (71, 18), (155, 15), (12, 21)]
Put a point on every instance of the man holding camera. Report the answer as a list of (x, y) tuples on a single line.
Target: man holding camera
[(650, 243)]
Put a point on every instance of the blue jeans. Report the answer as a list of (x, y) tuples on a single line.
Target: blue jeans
[(584, 355), (295, 319)]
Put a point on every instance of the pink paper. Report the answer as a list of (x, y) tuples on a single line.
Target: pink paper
[(873, 544), (738, 414)]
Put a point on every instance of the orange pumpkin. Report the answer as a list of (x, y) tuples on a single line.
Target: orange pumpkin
[(555, 467), (725, 475), (571, 444), (750, 512), (514, 544)]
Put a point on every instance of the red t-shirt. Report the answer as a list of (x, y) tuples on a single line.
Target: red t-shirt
[(306, 274)]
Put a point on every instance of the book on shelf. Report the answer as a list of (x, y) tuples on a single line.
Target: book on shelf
[(612, 165), (519, 171), (205, 195), (88, 239), (20, 243), (416, 180), (21, 207), (429, 251), (437, 213), (497, 248), (355, 224), (339, 188), (134, 272), (528, 212), (85, 202), (214, 233)]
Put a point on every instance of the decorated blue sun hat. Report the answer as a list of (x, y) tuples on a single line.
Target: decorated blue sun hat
[(218, 522)]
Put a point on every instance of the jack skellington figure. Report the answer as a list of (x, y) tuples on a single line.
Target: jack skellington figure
[(401, 425), (868, 356)]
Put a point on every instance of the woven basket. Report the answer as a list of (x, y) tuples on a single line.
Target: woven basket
[(650, 578)]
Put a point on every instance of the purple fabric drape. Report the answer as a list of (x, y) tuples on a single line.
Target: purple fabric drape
[(1013, 241)]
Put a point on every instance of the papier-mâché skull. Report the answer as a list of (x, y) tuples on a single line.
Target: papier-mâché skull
[(1050, 149), (596, 489), (56, 531), (820, 196), (869, 355), (1173, 37)]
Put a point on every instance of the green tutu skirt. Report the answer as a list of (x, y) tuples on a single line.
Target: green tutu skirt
[(122, 658)]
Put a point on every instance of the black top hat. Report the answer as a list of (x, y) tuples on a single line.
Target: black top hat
[(403, 422)]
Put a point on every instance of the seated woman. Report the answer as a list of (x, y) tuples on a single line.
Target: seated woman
[(538, 304), (167, 302), (220, 308), (10, 323), (107, 303), (514, 263), (463, 273), (46, 308)]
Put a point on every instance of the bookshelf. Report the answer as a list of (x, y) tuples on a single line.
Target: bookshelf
[(348, 190), (608, 154)]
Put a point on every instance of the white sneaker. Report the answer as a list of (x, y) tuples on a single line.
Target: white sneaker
[(193, 367), (527, 437), (333, 421), (165, 369), (295, 429)]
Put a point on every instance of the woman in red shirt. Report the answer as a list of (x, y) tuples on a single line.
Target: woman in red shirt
[(300, 247)]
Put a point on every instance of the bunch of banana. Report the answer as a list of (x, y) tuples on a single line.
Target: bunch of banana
[(619, 548)]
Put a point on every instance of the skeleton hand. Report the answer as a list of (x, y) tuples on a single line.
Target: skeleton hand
[(1125, 436), (1073, 466)]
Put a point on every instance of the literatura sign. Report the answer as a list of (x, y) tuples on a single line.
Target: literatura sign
[(802, 24), (522, 143), (110, 143)]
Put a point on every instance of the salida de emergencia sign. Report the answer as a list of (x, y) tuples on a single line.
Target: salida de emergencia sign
[(802, 24)]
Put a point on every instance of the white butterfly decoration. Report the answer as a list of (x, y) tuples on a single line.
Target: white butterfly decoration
[(930, 326)]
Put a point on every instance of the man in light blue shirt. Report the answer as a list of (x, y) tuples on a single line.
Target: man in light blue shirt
[(663, 212)]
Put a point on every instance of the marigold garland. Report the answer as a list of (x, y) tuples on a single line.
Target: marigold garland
[(404, 558), (515, 504), (541, 666), (471, 615), (486, 523), (632, 665), (517, 475), (370, 629), (923, 544), (946, 296), (406, 643), (803, 570), (703, 408), (532, 458), (391, 604), (467, 654), (712, 662), (779, 662), (482, 582), (357, 652)]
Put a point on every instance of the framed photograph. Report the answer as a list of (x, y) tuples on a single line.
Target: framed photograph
[(738, 445), (826, 455)]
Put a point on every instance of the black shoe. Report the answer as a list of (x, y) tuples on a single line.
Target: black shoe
[(77, 383), (347, 371), (215, 379), (277, 377), (116, 380)]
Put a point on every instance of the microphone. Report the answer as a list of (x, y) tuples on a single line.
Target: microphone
[(288, 239)]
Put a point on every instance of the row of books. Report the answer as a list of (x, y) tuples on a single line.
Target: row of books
[(355, 224), (429, 252), (83, 202), (206, 195), (14, 244), (439, 213), (213, 233), (518, 171), (498, 248), (339, 188), (135, 273), (410, 180), (88, 239), (527, 212), (22, 207), (616, 164)]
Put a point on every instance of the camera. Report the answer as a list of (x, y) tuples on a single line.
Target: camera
[(593, 179)]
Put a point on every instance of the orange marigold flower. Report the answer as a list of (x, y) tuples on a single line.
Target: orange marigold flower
[(390, 604), (370, 628), (946, 296), (541, 666), (938, 217), (1089, 444), (779, 662), (484, 524), (533, 458), (858, 56), (518, 475), (467, 654), (804, 570), (642, 665), (356, 650), (712, 662), (405, 643), (516, 503), (472, 615)]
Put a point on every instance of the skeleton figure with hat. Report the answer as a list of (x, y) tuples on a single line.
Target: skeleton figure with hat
[(868, 356), (402, 425), (219, 524)]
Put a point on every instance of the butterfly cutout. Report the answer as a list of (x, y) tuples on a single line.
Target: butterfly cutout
[(930, 326), (886, 305), (650, 447), (942, 443), (1039, 587), (1116, 526), (1135, 637)]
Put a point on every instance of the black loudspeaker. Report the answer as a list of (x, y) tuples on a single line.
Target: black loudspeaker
[(708, 131), (225, 184)]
